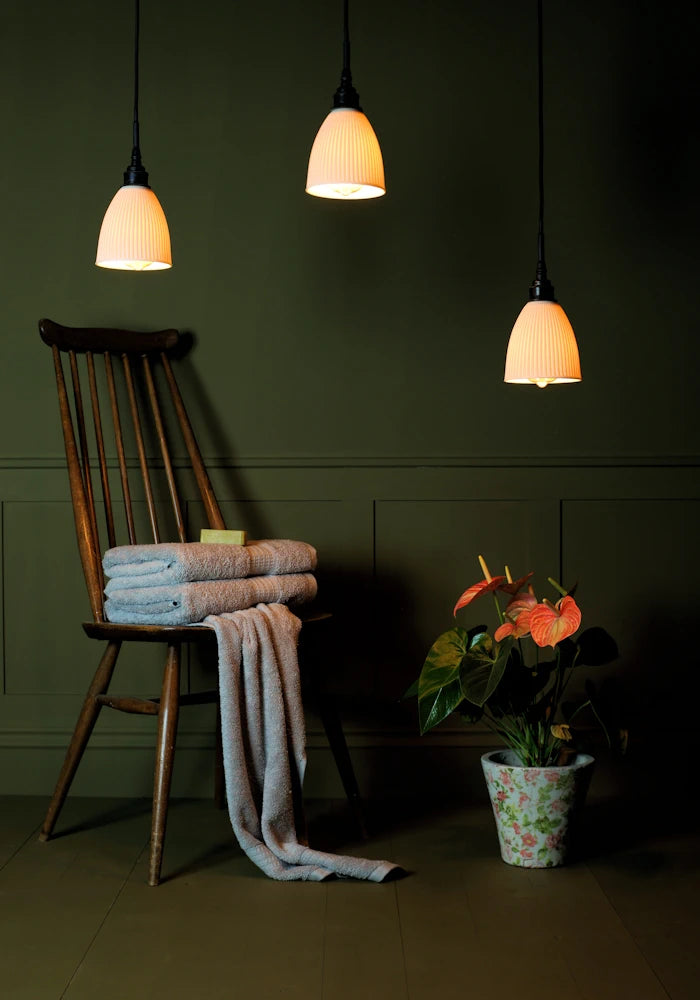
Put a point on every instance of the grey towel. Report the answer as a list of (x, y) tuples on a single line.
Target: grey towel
[(184, 562), (262, 727), (186, 603)]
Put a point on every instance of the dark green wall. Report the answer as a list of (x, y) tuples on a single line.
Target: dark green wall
[(346, 376)]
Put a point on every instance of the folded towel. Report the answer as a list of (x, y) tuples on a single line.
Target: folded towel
[(186, 603), (262, 728), (184, 562)]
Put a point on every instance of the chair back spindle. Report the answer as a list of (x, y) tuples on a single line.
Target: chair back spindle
[(140, 447), (104, 474), (119, 443), (84, 453), (126, 368), (163, 442)]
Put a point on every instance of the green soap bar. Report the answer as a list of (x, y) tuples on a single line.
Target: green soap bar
[(215, 535)]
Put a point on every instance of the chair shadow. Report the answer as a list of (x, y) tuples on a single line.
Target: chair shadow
[(120, 813), (214, 856)]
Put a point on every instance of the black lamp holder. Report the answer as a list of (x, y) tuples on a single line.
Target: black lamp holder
[(346, 96), (541, 288), (136, 173)]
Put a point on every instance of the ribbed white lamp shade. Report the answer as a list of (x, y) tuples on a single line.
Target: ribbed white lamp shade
[(134, 234), (542, 349), (346, 161)]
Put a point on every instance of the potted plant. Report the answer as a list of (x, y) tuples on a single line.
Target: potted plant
[(511, 682)]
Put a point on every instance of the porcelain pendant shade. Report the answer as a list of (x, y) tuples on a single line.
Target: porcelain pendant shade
[(346, 161), (134, 234), (542, 349)]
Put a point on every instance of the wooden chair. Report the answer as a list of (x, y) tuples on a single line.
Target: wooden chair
[(129, 367)]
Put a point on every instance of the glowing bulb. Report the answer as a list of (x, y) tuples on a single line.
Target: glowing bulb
[(345, 190)]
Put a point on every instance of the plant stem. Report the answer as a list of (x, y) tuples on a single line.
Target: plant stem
[(570, 668), (501, 616)]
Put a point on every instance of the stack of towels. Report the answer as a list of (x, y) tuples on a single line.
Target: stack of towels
[(180, 583)]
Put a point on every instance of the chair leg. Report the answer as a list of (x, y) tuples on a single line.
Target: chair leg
[(165, 753), (81, 735), (336, 739), (219, 776)]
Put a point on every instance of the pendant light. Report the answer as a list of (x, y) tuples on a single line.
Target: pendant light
[(134, 234), (346, 161), (542, 349)]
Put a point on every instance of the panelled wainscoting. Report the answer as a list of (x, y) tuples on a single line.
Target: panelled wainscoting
[(397, 544)]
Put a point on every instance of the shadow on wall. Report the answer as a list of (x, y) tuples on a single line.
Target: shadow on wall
[(373, 653), (200, 404), (659, 687)]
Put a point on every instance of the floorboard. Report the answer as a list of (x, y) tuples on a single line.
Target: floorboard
[(214, 926), (654, 888), (19, 819), (362, 950), (79, 922), (55, 896)]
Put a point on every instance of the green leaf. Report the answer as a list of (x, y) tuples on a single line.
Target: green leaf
[(482, 668), (412, 691), (596, 647), (517, 693), (443, 661), (439, 690), (469, 712), (568, 653), (438, 706)]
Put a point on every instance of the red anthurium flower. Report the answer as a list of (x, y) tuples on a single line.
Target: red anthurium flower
[(517, 616), (521, 603), (550, 623), (482, 587), (518, 628), (516, 585)]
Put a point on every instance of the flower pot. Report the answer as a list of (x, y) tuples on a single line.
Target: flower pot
[(535, 807)]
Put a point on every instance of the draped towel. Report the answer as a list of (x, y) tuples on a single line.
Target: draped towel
[(263, 734)]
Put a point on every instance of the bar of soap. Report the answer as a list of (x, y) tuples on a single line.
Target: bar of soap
[(220, 537)]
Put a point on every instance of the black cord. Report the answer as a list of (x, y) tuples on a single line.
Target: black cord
[(135, 172), (541, 288), (540, 125), (136, 73), (346, 96), (346, 38)]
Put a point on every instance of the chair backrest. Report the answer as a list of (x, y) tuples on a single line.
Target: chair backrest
[(125, 368)]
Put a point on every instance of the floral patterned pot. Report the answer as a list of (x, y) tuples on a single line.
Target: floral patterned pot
[(534, 806)]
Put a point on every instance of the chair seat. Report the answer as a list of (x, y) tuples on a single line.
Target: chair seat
[(149, 633), (176, 633)]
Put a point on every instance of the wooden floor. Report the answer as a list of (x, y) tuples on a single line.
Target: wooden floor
[(77, 919)]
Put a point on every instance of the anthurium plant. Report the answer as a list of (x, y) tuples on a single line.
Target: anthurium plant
[(515, 680)]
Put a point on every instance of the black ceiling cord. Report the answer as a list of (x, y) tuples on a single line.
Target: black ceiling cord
[(135, 173), (541, 288), (346, 96)]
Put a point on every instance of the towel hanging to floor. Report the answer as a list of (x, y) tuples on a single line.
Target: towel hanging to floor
[(263, 735)]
